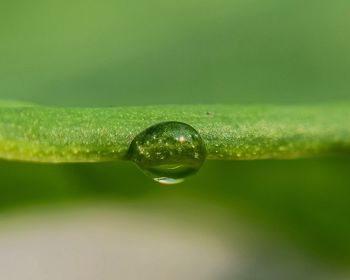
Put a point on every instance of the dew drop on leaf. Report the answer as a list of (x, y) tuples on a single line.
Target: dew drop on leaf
[(168, 151)]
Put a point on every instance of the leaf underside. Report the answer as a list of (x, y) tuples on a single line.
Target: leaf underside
[(230, 132)]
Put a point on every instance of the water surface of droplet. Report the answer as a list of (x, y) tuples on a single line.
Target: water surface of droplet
[(168, 151)]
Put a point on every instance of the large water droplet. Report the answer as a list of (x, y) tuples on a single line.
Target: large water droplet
[(168, 151)]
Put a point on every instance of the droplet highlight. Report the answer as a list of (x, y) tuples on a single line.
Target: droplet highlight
[(168, 152)]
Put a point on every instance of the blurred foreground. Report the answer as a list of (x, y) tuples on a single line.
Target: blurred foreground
[(104, 241), (234, 220)]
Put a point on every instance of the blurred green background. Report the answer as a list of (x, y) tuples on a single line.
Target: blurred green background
[(118, 53)]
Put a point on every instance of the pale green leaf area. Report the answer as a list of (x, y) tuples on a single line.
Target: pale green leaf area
[(230, 132)]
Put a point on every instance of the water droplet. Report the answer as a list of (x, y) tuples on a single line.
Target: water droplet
[(180, 154)]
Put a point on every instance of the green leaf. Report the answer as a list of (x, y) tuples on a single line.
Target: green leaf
[(43, 134)]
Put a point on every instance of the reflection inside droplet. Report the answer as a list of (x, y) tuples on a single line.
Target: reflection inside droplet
[(168, 181)]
